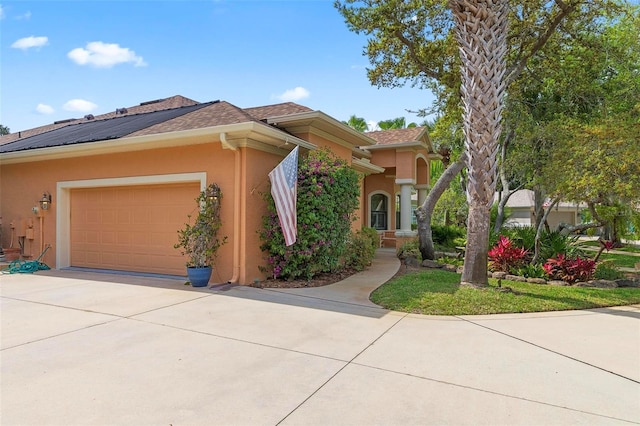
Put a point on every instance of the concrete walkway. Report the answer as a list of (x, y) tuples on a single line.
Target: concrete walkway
[(357, 288), (98, 349)]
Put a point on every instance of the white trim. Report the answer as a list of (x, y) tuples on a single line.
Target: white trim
[(405, 233), (63, 203), (405, 181), (365, 166)]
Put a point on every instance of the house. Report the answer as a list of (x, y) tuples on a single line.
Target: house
[(121, 184), (522, 207)]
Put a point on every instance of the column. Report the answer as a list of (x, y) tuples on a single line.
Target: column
[(422, 192), (405, 207)]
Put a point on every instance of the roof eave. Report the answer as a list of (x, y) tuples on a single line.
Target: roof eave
[(321, 120), (365, 166), (397, 145), (265, 134)]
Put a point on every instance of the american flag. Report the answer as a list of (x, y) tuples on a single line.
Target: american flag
[(284, 189)]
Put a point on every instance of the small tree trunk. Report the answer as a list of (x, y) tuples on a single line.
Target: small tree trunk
[(538, 205), (506, 191), (543, 220), (425, 211)]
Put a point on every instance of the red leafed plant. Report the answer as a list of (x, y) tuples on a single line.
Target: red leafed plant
[(606, 245), (504, 256), (570, 270)]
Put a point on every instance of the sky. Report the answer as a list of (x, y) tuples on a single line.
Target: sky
[(66, 59)]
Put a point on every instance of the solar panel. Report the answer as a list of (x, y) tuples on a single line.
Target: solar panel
[(93, 131)]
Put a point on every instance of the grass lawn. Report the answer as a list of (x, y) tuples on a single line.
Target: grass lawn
[(435, 292), (621, 260), (596, 244)]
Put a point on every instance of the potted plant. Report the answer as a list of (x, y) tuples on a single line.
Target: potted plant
[(199, 241)]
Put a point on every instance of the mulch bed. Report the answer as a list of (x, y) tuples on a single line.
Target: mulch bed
[(318, 281)]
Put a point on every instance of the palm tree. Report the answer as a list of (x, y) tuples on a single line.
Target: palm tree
[(395, 123), (357, 123), (481, 31)]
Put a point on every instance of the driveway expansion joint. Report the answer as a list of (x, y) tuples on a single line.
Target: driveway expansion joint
[(547, 349)]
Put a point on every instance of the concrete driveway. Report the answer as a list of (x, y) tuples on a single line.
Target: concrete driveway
[(96, 349)]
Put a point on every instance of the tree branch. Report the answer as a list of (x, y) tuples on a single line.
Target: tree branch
[(415, 57), (516, 69)]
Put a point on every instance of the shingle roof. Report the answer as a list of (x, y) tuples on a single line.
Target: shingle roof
[(144, 107), (161, 116), (383, 137), (215, 114), (96, 130), (276, 110)]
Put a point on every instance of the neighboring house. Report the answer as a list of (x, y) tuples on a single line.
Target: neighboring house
[(123, 183), (522, 207)]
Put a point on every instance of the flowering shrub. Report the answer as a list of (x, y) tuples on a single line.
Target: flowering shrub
[(570, 270), (328, 192), (199, 241), (361, 249), (505, 257)]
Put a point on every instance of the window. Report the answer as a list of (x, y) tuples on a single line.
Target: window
[(379, 211)]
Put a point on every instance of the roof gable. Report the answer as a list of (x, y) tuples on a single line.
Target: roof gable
[(410, 134), (276, 110)]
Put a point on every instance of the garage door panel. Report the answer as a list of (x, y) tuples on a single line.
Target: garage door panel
[(130, 228)]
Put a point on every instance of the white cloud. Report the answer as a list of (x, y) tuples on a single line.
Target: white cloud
[(29, 42), (26, 16), (79, 105), (293, 95), (372, 125), (45, 109), (104, 55), (1, 12)]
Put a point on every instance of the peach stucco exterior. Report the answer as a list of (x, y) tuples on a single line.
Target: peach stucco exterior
[(235, 152)]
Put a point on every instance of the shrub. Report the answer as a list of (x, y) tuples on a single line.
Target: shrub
[(447, 260), (531, 271), (554, 243), (410, 248), (522, 236), (199, 241), (606, 270), (506, 257), (569, 269), (446, 235), (328, 191), (361, 249)]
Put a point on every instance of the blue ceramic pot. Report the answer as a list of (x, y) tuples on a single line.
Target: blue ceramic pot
[(199, 276)]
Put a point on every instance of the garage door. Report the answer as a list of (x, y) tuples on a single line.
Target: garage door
[(131, 228)]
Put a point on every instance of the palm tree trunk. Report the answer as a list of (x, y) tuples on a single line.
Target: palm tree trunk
[(481, 30)]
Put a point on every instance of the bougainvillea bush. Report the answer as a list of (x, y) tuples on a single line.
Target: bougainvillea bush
[(328, 196), (505, 256), (569, 269)]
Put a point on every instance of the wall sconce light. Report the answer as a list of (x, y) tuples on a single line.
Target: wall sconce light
[(213, 193), (45, 201)]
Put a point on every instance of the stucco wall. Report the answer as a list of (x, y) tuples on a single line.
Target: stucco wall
[(242, 176), (22, 185)]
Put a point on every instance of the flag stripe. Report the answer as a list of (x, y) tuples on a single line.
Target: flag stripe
[(284, 189)]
